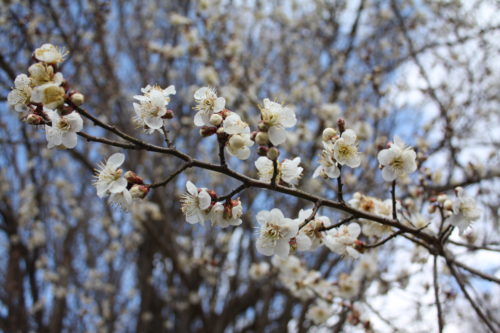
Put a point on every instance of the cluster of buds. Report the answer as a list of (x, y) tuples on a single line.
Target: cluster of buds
[(201, 204), (232, 133), (441, 202), (215, 125), (339, 148), (135, 185)]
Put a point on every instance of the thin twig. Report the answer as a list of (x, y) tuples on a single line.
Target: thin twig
[(167, 139), (275, 173), (234, 192), (436, 296), (474, 247), (340, 195), (344, 221), (171, 177), (393, 194), (222, 157), (382, 242), (317, 205), (476, 307)]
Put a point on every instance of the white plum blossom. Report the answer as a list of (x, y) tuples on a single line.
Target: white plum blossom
[(20, 96), (259, 270), (239, 141), (265, 169), (63, 129), (328, 167), (465, 211), (238, 145), (289, 171), (275, 233), (300, 243), (234, 125), (345, 150), (342, 240), (152, 106), (313, 229), (195, 203), (207, 103), (50, 94), (373, 206), (49, 54), (319, 313), (347, 286), (290, 267), (337, 151), (123, 199), (109, 178), (41, 73), (277, 117), (397, 160), (225, 215)]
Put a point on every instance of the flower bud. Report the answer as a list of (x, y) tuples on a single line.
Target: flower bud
[(236, 142), (207, 131), (262, 127), (133, 178), (442, 198), (77, 98), (215, 119), (448, 205), (341, 125), (431, 209), (228, 211), (262, 138), (328, 134), (168, 115), (212, 194), (262, 150), (34, 119), (273, 153), (139, 191)]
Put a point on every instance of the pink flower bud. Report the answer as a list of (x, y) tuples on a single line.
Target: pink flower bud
[(206, 131), (168, 115), (262, 150), (341, 125), (34, 119), (133, 178), (139, 191)]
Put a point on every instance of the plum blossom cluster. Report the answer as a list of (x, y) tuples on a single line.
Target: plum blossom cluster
[(121, 188), (41, 97), (375, 206), (200, 205), (279, 235), (232, 132), (338, 149), (309, 285), (288, 172)]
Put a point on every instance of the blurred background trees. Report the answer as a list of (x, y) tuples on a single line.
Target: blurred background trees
[(424, 70)]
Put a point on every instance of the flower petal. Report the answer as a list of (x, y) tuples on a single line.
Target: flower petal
[(115, 160)]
